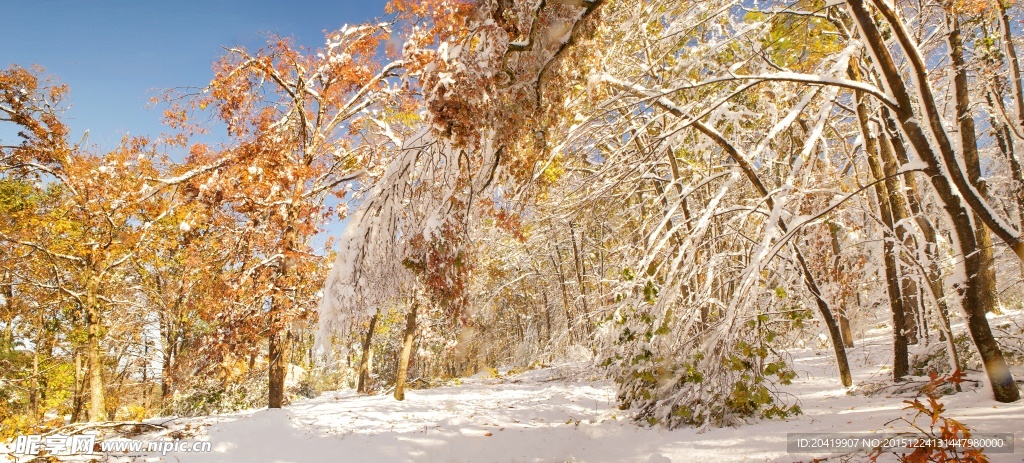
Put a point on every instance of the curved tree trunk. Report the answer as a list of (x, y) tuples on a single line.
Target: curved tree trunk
[(837, 267), (403, 360), (365, 362), (835, 335)]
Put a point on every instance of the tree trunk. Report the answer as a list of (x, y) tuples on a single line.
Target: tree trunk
[(1004, 136), (165, 383), (577, 253), (1003, 387), (912, 306), (835, 335), (1001, 125), (894, 154), (969, 146), (94, 332), (924, 129), (837, 268), (1006, 146), (403, 360), (279, 347), (364, 361), (1004, 139), (167, 369), (278, 353), (77, 400), (893, 213), (900, 362), (1005, 29)]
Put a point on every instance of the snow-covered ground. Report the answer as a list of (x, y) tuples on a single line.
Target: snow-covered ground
[(566, 414)]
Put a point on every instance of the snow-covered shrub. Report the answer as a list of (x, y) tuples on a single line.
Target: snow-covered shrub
[(1010, 335), (213, 397), (934, 356), (1008, 332), (697, 377), (133, 412), (307, 389), (315, 382)]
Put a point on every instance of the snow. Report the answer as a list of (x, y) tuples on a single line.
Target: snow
[(568, 413), (913, 165)]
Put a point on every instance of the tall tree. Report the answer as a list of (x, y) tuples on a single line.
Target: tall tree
[(299, 122)]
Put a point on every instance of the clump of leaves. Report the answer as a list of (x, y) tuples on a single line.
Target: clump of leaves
[(939, 428)]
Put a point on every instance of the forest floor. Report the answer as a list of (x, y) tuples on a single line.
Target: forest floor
[(568, 414)]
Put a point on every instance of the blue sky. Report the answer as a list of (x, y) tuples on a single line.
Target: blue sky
[(115, 54)]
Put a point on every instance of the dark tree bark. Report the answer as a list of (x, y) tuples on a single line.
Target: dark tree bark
[(947, 175), (1002, 126), (1003, 386), (893, 155), (900, 363), (969, 146), (279, 349)]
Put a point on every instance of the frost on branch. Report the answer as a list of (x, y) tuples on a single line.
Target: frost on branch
[(381, 252)]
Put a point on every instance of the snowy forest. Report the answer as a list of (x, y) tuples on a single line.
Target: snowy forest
[(682, 197)]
